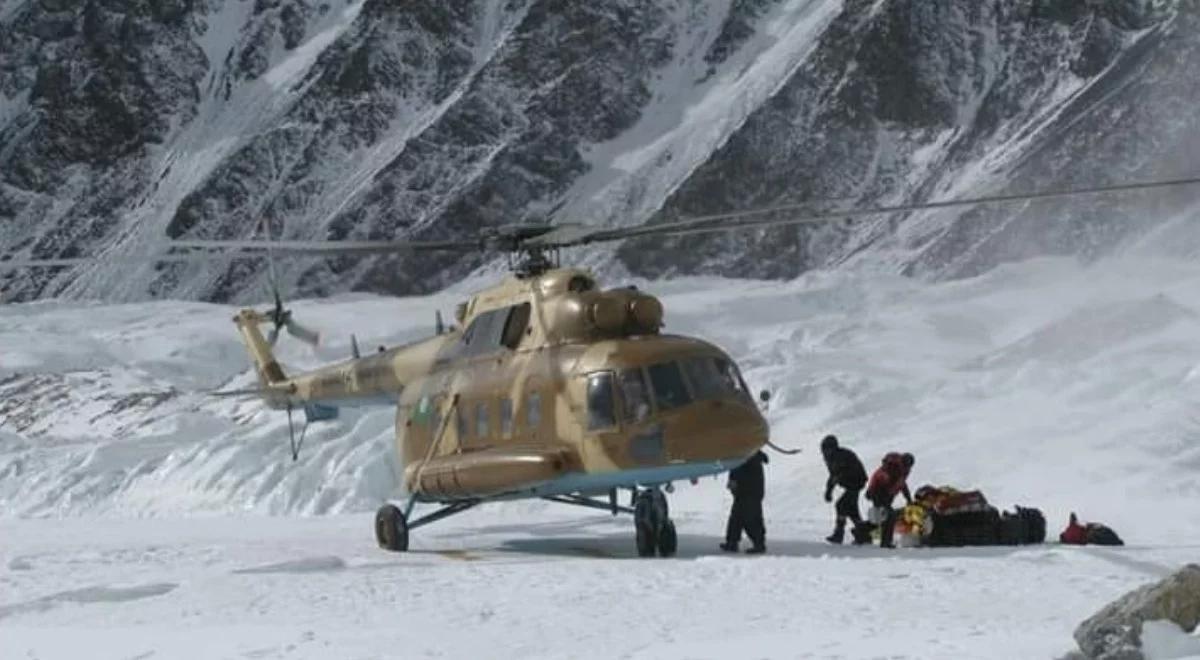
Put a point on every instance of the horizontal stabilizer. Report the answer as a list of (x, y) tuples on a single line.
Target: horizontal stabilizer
[(256, 391), (315, 412)]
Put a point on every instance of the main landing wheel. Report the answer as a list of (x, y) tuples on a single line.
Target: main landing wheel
[(668, 542), (391, 528), (652, 522)]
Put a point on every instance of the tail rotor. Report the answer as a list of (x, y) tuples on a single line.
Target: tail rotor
[(281, 318)]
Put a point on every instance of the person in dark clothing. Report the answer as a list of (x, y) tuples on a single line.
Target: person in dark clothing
[(888, 481), (746, 484), (847, 471)]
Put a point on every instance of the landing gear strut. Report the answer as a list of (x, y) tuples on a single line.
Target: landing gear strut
[(392, 525), (654, 527), (651, 517)]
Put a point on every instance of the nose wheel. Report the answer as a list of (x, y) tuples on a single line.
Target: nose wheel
[(391, 528), (655, 531)]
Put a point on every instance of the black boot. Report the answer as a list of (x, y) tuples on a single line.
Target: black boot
[(838, 535), (729, 547), (861, 534)]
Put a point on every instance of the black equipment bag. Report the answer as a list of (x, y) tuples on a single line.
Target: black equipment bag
[(1024, 526), (968, 528)]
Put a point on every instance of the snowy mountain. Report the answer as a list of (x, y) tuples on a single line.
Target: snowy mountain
[(125, 123)]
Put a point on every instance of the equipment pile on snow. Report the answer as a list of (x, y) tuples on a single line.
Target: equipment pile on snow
[(944, 516), (1091, 533)]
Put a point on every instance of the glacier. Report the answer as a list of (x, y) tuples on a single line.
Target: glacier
[(144, 515)]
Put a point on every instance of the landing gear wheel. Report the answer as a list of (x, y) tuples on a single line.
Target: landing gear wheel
[(646, 541), (651, 519), (668, 542), (391, 528)]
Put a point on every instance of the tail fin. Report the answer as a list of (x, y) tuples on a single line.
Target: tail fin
[(269, 371)]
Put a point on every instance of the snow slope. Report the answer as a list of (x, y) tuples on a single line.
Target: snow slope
[(133, 504)]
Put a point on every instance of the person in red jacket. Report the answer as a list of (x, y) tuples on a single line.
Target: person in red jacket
[(1074, 534), (889, 480)]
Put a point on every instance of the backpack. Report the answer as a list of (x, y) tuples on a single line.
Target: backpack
[(1098, 534)]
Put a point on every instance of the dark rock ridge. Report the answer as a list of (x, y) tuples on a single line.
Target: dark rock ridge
[(126, 123)]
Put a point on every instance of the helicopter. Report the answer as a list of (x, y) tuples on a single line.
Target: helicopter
[(548, 385)]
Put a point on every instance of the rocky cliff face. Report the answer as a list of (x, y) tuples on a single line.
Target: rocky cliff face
[(123, 124)]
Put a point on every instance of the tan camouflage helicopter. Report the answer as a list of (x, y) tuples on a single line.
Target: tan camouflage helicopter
[(549, 386)]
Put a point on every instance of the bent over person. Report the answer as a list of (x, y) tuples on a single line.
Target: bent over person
[(847, 471), (888, 481), (746, 484)]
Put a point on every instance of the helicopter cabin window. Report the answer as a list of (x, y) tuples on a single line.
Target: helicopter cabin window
[(514, 327), (481, 419), (533, 410), (601, 408), (635, 394), (421, 412), (667, 381), (506, 417)]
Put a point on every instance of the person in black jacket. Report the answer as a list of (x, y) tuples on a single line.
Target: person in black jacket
[(746, 484), (847, 471)]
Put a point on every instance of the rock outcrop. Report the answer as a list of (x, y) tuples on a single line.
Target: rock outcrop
[(125, 124), (1115, 632)]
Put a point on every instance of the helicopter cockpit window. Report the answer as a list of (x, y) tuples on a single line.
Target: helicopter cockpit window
[(704, 378), (579, 284), (601, 404), (731, 380), (667, 381), (635, 394), (514, 327)]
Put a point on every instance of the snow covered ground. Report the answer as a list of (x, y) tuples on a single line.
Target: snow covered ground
[(135, 509)]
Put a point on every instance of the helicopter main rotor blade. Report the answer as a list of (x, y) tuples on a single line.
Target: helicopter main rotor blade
[(577, 235), (243, 250), (542, 237), (66, 262), (321, 248)]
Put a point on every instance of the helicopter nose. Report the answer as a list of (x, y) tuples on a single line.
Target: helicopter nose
[(718, 430)]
